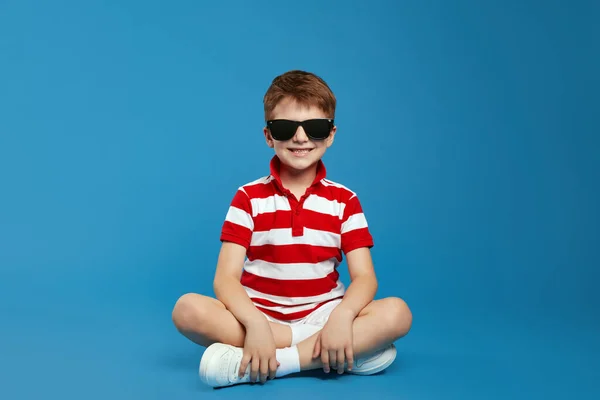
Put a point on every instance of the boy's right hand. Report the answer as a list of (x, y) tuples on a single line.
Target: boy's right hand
[(259, 352)]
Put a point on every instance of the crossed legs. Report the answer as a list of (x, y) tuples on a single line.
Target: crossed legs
[(205, 320)]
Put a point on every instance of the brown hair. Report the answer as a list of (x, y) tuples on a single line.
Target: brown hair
[(304, 87)]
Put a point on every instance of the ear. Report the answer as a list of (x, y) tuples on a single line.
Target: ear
[(331, 137), (268, 137)]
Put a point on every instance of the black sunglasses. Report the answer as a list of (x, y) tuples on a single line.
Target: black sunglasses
[(316, 129)]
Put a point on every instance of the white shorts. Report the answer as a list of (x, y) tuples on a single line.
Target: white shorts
[(318, 317)]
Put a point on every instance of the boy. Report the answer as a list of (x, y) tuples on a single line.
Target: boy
[(280, 307)]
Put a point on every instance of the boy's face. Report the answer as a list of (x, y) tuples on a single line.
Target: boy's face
[(299, 152)]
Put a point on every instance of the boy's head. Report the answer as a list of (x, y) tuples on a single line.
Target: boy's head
[(294, 97)]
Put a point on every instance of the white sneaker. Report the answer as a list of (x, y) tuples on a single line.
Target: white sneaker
[(220, 365), (374, 363)]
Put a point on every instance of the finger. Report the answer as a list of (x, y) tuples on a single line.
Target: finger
[(325, 360), (273, 364), (244, 365), (317, 348), (340, 361), (332, 358), (349, 358), (264, 369), (254, 369)]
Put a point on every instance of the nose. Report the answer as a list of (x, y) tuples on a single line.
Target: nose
[(300, 135)]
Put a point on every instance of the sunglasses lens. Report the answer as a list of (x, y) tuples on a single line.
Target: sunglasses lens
[(317, 129), (282, 129)]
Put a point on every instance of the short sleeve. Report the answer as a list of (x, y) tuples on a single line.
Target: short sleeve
[(355, 230), (238, 224)]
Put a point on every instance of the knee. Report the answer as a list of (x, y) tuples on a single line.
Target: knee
[(399, 316), (188, 312)]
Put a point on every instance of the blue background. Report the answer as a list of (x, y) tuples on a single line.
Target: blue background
[(469, 130)]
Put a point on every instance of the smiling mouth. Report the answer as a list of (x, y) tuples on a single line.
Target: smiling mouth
[(300, 151)]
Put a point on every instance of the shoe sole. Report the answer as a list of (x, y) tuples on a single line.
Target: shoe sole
[(377, 368)]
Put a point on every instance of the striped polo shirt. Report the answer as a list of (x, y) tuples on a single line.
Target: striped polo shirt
[(294, 246)]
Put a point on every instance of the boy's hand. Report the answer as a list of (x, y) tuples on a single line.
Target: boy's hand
[(335, 341), (259, 351)]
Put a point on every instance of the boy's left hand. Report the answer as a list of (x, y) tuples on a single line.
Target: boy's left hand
[(335, 341)]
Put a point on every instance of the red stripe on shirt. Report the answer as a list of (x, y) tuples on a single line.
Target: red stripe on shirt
[(276, 220), (240, 200), (353, 206), (291, 287), (356, 238), (260, 190), (293, 253), (321, 222), (236, 233)]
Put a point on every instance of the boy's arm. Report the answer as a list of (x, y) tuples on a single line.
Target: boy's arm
[(259, 343), (356, 244), (228, 288), (236, 235), (335, 340), (363, 286)]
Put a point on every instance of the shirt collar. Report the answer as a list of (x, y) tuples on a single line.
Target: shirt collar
[(275, 166)]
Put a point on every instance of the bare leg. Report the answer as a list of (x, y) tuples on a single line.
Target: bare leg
[(205, 320), (379, 324)]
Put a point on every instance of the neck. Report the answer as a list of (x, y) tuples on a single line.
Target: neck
[(297, 180)]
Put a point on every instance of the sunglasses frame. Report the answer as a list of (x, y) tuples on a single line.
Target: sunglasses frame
[(301, 123)]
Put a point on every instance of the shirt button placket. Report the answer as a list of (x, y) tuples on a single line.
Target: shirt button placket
[(297, 226)]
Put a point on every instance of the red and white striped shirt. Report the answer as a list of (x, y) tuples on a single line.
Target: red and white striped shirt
[(294, 246)]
